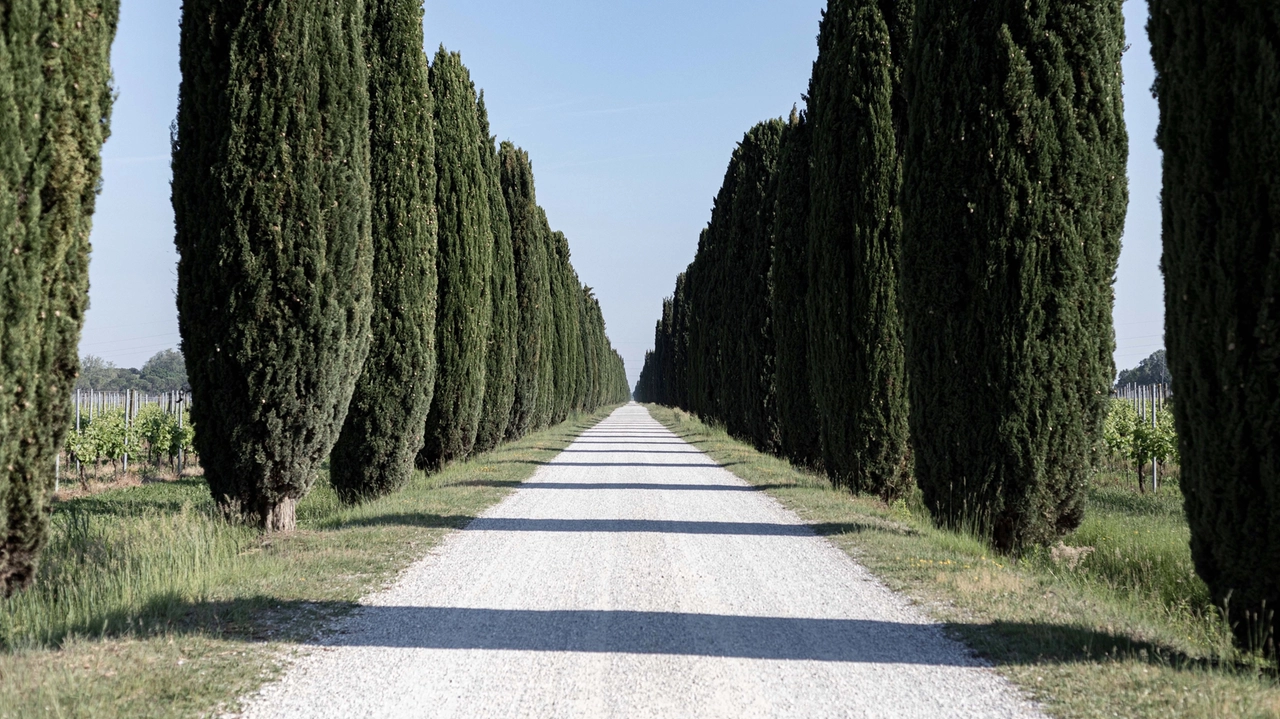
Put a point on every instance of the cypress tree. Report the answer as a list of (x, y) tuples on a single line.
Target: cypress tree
[(565, 323), (582, 378), (516, 176), (750, 327), (856, 353), (675, 384), (1218, 86), (55, 104), (271, 206), (705, 372), (383, 431), (500, 376), (464, 263), (1014, 199), (789, 281), (544, 408), (589, 394), (731, 353)]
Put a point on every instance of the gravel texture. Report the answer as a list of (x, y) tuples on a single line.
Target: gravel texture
[(633, 577)]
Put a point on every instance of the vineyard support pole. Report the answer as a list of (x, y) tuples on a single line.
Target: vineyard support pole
[(126, 399), (181, 454), (1155, 463)]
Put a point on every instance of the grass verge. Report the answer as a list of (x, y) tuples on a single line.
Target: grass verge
[(1123, 630), (147, 605)]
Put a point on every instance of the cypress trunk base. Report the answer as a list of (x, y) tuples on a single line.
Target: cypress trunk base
[(17, 569), (281, 516)]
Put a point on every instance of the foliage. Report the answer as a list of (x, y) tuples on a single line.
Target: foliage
[(531, 284), (1152, 370), (1218, 86), (383, 430), (502, 348), (154, 433), (55, 108), (856, 360), (464, 263), (789, 284), (1126, 435), (166, 371), (728, 329), (272, 216), (1014, 200)]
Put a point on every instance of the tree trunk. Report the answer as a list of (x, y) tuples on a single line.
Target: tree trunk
[(281, 516)]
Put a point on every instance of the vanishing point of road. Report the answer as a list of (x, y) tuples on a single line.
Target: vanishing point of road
[(632, 576)]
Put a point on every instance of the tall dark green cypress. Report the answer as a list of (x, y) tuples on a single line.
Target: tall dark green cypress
[(565, 323), (675, 384), (731, 333), (544, 407), (500, 375), (271, 207), (751, 371), (789, 283), (464, 262), (856, 353), (516, 176), (589, 390), (1014, 199), (706, 352), (383, 431), (55, 104), (1218, 85)]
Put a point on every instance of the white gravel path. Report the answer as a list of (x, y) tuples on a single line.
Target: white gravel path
[(633, 577)]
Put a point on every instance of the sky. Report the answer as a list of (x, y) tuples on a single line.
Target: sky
[(629, 111)]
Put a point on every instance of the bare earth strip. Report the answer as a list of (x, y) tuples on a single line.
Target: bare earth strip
[(633, 577)]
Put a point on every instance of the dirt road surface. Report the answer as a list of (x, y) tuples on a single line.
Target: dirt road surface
[(633, 577)]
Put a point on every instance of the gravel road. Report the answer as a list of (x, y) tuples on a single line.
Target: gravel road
[(633, 577)]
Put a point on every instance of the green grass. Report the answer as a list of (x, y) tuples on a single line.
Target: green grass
[(148, 605), (1127, 632)]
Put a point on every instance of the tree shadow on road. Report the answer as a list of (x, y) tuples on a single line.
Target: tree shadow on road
[(266, 618)]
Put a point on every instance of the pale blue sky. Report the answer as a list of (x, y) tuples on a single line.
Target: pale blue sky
[(629, 110)]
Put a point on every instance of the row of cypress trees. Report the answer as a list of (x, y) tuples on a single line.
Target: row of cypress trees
[(55, 107), (909, 282), (364, 275), (946, 223)]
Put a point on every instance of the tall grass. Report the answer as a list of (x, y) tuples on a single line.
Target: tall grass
[(113, 564), (141, 560)]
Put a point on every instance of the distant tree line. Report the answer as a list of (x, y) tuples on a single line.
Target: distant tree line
[(1152, 370), (910, 282), (364, 276), (164, 372)]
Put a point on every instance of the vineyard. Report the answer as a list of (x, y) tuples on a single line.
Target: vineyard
[(1138, 433), (113, 428)]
